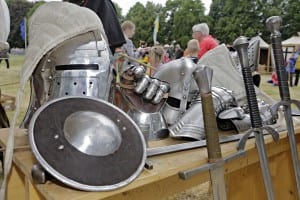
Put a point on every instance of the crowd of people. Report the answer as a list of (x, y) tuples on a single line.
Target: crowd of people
[(157, 54)]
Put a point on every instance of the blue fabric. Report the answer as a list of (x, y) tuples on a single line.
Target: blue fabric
[(290, 67)]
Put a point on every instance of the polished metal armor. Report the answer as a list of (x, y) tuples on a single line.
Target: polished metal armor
[(78, 67), (179, 73), (191, 124), (183, 110), (145, 97), (71, 113)]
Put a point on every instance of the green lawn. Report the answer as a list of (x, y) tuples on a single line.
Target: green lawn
[(9, 84)]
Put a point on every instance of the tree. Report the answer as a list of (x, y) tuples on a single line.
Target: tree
[(18, 10), (233, 18), (176, 13), (144, 18), (291, 19), (119, 11), (183, 14)]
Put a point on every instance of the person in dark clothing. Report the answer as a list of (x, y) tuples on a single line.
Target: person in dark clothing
[(106, 11), (178, 51), (4, 56)]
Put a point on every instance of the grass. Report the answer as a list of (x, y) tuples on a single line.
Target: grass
[(9, 84)]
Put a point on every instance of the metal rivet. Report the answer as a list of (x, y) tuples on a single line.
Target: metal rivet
[(124, 128), (56, 136), (118, 120), (49, 60), (61, 147), (184, 97)]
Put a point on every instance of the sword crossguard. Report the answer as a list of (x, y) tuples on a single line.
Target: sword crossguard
[(242, 142), (209, 166), (275, 107)]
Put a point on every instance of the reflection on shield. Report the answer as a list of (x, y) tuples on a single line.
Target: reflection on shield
[(87, 143)]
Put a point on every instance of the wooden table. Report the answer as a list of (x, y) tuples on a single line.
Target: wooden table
[(243, 175)]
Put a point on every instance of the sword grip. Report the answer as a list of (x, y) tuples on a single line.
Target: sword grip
[(241, 45), (280, 68), (211, 129), (203, 77)]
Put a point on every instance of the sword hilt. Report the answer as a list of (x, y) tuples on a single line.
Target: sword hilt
[(273, 24), (203, 77), (241, 45), (242, 142), (275, 107)]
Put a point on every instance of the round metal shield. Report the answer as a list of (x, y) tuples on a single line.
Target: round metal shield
[(87, 143)]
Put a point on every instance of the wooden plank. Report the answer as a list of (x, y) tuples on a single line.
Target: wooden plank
[(247, 183), (32, 193), (243, 175), (16, 185)]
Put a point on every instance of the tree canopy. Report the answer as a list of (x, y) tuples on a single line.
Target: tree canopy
[(227, 19)]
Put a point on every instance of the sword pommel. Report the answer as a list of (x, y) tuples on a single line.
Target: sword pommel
[(203, 76), (241, 46), (240, 42), (273, 24)]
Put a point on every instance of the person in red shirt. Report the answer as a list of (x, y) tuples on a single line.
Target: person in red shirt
[(206, 41)]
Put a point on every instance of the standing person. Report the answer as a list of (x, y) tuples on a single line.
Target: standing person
[(192, 50), (106, 11), (297, 65), (293, 66), (128, 28), (4, 56), (156, 56), (206, 41)]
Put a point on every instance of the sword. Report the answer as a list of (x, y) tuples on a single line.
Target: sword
[(241, 45), (154, 151), (203, 77), (273, 24)]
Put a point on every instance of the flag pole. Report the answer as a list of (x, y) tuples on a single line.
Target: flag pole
[(156, 27)]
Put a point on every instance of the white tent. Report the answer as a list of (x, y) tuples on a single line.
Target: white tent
[(292, 41), (264, 52), (262, 43), (289, 46)]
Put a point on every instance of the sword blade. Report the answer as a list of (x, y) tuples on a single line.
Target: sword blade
[(264, 165), (293, 145), (154, 151), (217, 181)]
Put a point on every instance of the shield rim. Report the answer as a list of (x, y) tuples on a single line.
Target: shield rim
[(68, 181)]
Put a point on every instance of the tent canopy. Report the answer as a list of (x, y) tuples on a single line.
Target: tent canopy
[(292, 41), (262, 43)]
